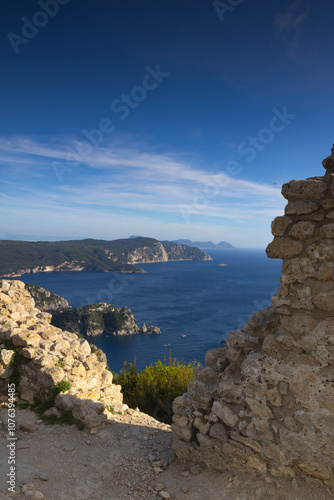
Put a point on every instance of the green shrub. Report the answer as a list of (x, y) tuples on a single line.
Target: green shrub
[(7, 344), (40, 406), (16, 364), (62, 386), (154, 389), (60, 363)]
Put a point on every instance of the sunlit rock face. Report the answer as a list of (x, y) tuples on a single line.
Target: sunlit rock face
[(265, 402), (36, 357)]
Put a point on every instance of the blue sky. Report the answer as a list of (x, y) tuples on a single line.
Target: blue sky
[(164, 119)]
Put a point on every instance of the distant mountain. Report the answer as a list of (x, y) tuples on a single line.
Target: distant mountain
[(22, 257), (207, 245)]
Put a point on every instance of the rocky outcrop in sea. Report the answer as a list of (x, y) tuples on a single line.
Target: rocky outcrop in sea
[(90, 320)]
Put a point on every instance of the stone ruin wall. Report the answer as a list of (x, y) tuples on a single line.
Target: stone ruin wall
[(48, 356), (265, 402)]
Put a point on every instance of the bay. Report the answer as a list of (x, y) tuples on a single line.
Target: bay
[(199, 300)]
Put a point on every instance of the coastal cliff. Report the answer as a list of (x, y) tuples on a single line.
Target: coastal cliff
[(97, 319), (22, 257), (163, 252), (46, 300)]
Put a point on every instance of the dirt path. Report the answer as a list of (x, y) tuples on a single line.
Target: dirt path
[(130, 458)]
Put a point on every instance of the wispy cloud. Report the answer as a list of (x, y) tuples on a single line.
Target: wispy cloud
[(113, 182), (290, 25)]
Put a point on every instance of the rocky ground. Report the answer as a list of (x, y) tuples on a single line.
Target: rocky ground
[(130, 458)]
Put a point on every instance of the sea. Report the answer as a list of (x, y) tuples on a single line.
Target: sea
[(194, 303)]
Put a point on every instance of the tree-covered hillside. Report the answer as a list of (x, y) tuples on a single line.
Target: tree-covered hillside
[(89, 255)]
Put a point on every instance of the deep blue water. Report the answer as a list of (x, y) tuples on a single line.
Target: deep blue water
[(198, 299)]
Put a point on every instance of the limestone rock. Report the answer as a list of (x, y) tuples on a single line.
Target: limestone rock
[(279, 225), (53, 360), (325, 301), (300, 208), (225, 414), (302, 230), (310, 189), (282, 248), (266, 400), (6, 356)]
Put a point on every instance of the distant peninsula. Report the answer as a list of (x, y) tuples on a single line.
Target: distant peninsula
[(23, 257), (206, 245)]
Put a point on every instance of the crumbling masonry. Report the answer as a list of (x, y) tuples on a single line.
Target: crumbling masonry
[(265, 402)]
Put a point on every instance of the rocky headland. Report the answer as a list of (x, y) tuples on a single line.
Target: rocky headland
[(89, 320), (23, 257), (46, 300), (98, 319)]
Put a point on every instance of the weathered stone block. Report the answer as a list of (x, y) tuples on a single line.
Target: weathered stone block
[(299, 323), (326, 271), (181, 432), (225, 414), (5, 285), (272, 347), (290, 423), (279, 225), (6, 372), (274, 397), (327, 204), (263, 428), (259, 408), (315, 469), (330, 215), (229, 390), (55, 374), (200, 395), (302, 229), (295, 444), (218, 431), (282, 248), (255, 389), (325, 301), (28, 352), (255, 462), (327, 231), (282, 472), (300, 208), (309, 189), (320, 251), (204, 428), (181, 422), (6, 356), (204, 441), (213, 357), (207, 375)]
